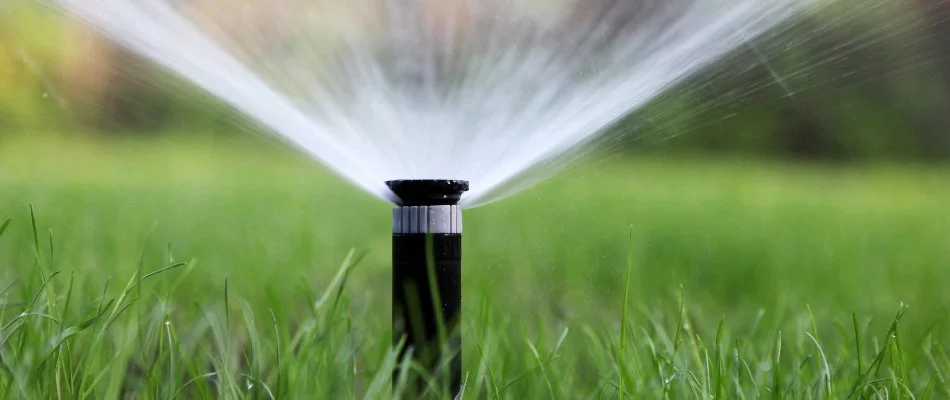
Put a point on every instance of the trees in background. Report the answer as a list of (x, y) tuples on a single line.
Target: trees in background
[(872, 82), (862, 83)]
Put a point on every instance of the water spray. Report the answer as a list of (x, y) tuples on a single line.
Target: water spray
[(427, 273), (523, 86), (398, 86)]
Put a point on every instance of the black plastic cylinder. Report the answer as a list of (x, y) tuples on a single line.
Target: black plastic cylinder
[(427, 275)]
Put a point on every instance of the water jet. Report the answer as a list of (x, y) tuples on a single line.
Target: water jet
[(427, 272), (499, 93)]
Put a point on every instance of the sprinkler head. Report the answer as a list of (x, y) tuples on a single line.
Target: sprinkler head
[(427, 272), (428, 192)]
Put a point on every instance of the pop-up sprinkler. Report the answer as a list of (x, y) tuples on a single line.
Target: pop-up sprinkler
[(427, 273)]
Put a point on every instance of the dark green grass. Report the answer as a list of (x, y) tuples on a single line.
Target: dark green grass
[(187, 269)]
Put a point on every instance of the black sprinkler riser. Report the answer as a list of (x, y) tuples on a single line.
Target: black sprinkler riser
[(427, 228)]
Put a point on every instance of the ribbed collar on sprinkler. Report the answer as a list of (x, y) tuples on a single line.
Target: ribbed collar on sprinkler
[(428, 192)]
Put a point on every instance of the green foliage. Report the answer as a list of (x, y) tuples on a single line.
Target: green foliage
[(867, 83), (162, 269), (29, 40), (839, 83)]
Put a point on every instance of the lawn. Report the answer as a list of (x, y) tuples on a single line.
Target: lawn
[(264, 276)]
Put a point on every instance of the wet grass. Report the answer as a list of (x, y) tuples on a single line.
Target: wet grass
[(189, 269)]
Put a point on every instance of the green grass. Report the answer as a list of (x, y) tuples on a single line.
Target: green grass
[(192, 269)]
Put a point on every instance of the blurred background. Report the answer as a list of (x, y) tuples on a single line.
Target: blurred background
[(847, 83)]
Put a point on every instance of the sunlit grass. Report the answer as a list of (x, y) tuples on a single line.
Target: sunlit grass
[(213, 270)]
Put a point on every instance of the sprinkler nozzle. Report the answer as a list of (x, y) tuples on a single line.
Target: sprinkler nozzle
[(428, 192)]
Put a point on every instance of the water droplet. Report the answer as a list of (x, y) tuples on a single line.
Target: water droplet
[(45, 94)]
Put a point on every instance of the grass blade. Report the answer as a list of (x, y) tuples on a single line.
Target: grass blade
[(777, 368), (621, 365), (4, 226), (857, 341)]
